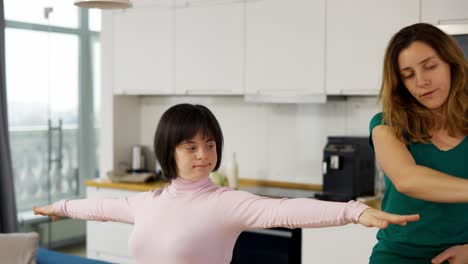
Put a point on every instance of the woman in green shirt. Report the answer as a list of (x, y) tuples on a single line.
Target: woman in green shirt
[(420, 141)]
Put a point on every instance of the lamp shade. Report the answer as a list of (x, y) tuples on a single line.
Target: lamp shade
[(103, 4)]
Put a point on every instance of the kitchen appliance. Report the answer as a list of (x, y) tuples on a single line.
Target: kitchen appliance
[(273, 245), (267, 246), (138, 160), (348, 169), (278, 192)]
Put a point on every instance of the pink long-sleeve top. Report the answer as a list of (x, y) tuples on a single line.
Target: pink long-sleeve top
[(199, 222)]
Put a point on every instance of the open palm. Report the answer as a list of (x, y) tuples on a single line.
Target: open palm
[(47, 210), (376, 218)]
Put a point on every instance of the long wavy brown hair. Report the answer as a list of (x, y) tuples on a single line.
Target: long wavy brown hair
[(408, 118)]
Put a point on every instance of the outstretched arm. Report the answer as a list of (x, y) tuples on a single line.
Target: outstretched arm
[(250, 211), (97, 209), (411, 179)]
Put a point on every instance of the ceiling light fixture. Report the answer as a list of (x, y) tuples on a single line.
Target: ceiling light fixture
[(103, 4)]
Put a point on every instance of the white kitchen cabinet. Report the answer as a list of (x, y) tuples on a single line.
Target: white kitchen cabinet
[(108, 241), (358, 33), (342, 244), (285, 46), (209, 47), (440, 12), (143, 49)]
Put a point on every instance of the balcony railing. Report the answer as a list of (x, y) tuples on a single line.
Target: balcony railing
[(45, 165)]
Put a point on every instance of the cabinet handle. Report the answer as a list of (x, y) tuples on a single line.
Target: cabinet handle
[(285, 98), (456, 21), (271, 232), (204, 3), (284, 91), (360, 92), (217, 91)]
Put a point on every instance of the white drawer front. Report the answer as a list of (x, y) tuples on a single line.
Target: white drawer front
[(108, 240), (109, 237)]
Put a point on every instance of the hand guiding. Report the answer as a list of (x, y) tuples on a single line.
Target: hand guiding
[(376, 218)]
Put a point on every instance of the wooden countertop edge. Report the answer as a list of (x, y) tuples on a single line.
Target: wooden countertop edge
[(105, 183), (279, 184), (374, 202)]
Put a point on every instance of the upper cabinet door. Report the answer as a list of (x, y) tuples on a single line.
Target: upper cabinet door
[(358, 33), (209, 47), (285, 45), (439, 12), (143, 50)]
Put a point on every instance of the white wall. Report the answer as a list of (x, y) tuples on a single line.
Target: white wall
[(272, 141)]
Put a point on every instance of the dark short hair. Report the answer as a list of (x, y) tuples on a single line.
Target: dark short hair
[(183, 122)]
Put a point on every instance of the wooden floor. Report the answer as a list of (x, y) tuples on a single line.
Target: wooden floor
[(77, 250)]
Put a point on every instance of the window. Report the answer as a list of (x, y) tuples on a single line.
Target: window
[(52, 77)]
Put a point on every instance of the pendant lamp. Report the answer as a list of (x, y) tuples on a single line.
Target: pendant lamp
[(103, 4)]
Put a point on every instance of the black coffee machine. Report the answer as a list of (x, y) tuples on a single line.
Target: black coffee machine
[(348, 169)]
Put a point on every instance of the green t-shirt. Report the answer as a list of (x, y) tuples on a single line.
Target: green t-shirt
[(441, 224)]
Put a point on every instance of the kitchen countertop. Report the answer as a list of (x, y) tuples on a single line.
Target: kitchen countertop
[(278, 192), (267, 188), (142, 187), (243, 183)]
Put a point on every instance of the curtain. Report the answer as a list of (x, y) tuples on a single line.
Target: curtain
[(8, 218)]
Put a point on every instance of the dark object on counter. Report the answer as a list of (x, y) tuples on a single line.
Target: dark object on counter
[(131, 176), (268, 246), (348, 169), (138, 171), (278, 192)]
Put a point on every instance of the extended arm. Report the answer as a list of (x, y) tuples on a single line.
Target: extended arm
[(97, 209), (253, 211), (412, 179)]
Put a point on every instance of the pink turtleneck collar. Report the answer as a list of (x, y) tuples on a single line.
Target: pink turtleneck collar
[(183, 186)]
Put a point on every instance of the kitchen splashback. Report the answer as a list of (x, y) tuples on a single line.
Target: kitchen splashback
[(273, 142)]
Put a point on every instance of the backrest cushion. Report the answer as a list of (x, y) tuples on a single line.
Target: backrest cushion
[(18, 248)]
